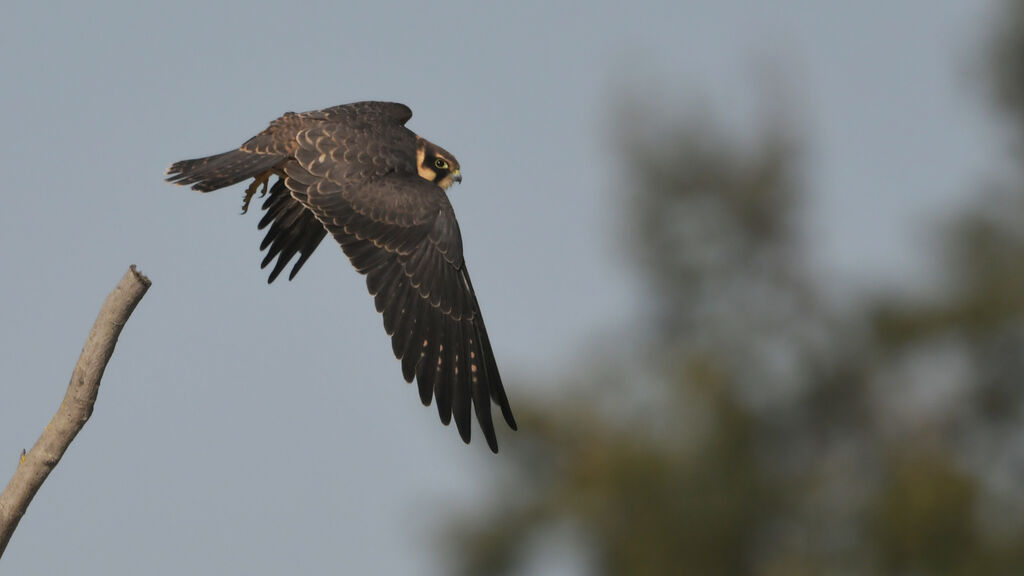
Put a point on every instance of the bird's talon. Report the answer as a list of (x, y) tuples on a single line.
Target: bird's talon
[(261, 180)]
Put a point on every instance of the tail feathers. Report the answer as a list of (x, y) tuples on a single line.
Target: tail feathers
[(220, 170)]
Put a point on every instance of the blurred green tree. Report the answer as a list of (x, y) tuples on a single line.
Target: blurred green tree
[(755, 432)]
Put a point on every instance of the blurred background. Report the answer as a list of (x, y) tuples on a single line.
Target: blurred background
[(754, 277)]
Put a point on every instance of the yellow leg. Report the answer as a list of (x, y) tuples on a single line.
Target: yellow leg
[(261, 180)]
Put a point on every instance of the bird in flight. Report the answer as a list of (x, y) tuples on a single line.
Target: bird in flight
[(356, 172)]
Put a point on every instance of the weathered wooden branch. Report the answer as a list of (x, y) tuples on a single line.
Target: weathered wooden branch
[(77, 406)]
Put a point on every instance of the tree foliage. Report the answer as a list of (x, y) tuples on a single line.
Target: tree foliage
[(756, 432)]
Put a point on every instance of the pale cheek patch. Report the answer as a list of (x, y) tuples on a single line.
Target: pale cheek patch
[(426, 172)]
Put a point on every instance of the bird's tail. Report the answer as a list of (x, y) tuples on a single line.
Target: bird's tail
[(220, 170)]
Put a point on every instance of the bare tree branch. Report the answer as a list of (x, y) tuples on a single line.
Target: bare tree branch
[(77, 406)]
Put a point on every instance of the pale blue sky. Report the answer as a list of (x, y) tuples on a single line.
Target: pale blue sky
[(252, 429)]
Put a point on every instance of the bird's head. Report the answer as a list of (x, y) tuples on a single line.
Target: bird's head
[(436, 164)]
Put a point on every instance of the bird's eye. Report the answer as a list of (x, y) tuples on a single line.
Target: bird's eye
[(441, 164)]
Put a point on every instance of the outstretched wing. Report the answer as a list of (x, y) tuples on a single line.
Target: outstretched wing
[(400, 231), (292, 230), (351, 171)]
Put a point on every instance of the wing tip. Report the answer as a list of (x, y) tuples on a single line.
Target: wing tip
[(506, 412), (492, 439)]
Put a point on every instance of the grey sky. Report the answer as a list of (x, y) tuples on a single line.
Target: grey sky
[(252, 429)]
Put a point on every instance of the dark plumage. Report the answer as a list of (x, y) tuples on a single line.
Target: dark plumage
[(355, 171)]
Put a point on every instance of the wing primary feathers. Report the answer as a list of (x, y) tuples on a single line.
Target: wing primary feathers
[(397, 295), (478, 378), (410, 352), (443, 379), (302, 260), (497, 391), (293, 230), (426, 347), (461, 395), (405, 333), (379, 279), (278, 267)]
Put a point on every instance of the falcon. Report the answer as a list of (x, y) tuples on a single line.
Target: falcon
[(357, 173)]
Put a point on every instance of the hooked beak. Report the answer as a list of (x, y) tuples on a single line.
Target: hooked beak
[(457, 176)]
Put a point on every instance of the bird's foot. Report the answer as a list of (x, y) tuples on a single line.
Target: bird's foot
[(261, 180)]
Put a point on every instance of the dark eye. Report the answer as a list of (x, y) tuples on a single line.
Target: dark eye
[(441, 164)]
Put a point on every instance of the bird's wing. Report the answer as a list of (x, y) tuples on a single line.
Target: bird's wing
[(280, 137), (291, 230), (400, 231)]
